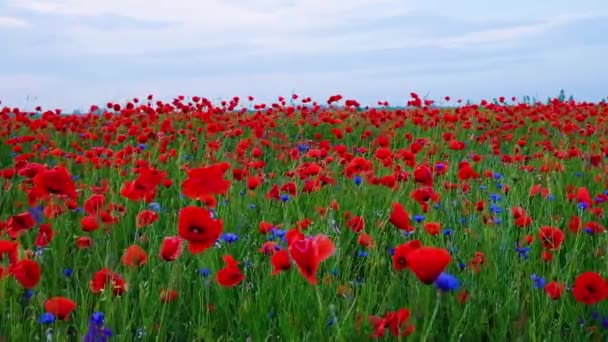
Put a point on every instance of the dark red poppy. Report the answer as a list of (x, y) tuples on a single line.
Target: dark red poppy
[(196, 226)]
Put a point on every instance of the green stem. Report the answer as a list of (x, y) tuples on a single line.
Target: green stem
[(433, 316)]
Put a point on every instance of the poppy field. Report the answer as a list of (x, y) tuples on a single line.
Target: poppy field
[(190, 220)]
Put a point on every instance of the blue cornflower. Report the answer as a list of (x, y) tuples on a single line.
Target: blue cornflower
[(447, 282), (605, 323), (419, 218), (588, 230), (29, 293), (495, 209), (497, 176), (551, 197), (154, 206), (358, 180), (46, 318), (97, 332), (252, 206), (495, 197), (284, 197), (142, 146), (362, 254), (539, 282), (447, 232), (497, 220), (78, 210), (391, 251), (439, 166), (276, 232), (67, 272), (599, 199), (462, 266), (204, 272), (523, 252), (75, 177), (583, 205), (303, 148), (463, 220), (335, 272), (229, 237), (37, 213), (579, 174), (499, 186), (606, 192), (482, 187)]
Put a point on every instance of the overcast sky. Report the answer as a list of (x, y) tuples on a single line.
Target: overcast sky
[(73, 53)]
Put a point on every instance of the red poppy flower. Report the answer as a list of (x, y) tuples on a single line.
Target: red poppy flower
[(134, 256), (197, 227), (89, 223), (230, 275), (423, 175), (83, 242), (167, 296), (309, 253), (551, 237), (206, 181), (433, 228), (94, 204), (365, 240), (590, 288), (61, 307), (10, 249), (19, 224), (55, 181), (427, 263), (105, 277), (44, 236), (280, 262), (146, 217), (26, 272), (400, 218), (402, 251), (554, 290), (171, 248), (356, 224)]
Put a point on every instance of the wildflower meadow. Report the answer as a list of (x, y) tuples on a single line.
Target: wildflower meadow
[(298, 220)]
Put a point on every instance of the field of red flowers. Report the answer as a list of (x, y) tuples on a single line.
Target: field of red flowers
[(296, 220)]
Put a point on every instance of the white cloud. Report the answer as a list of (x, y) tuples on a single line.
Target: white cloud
[(12, 22), (505, 35)]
